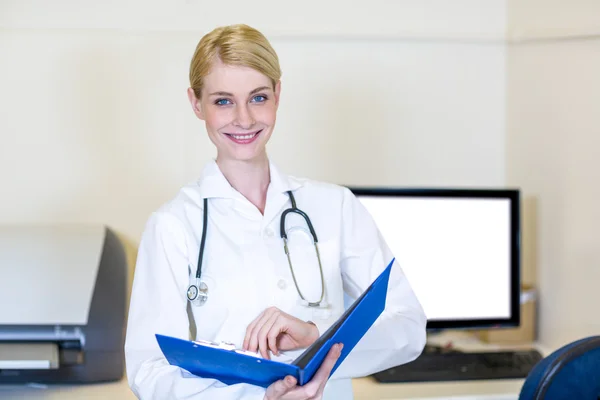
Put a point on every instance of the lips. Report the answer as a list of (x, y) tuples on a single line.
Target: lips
[(243, 138)]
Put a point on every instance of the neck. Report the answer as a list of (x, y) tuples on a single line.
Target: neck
[(251, 178)]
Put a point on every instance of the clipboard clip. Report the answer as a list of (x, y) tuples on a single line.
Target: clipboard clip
[(226, 346)]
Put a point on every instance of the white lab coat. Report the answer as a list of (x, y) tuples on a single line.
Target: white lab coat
[(246, 271)]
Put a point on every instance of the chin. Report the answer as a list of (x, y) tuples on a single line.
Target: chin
[(246, 155)]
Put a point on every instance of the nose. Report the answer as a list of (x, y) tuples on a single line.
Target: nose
[(243, 117)]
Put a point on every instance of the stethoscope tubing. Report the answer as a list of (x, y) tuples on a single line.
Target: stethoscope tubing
[(200, 288)]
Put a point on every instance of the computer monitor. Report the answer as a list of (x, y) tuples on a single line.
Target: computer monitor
[(459, 248)]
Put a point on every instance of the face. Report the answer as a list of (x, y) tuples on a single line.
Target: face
[(239, 107)]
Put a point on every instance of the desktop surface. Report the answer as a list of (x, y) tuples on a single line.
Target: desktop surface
[(366, 388), (369, 389), (457, 389), (440, 366)]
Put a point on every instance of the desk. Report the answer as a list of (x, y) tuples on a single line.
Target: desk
[(364, 388), (369, 389), (105, 391)]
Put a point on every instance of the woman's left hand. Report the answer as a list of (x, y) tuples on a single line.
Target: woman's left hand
[(275, 330)]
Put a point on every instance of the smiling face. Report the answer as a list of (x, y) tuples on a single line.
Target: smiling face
[(239, 106)]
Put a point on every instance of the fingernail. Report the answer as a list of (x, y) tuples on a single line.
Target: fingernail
[(289, 380)]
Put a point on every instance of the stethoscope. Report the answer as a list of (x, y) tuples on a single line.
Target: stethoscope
[(197, 292)]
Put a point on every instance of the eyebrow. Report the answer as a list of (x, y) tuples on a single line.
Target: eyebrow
[(258, 89)]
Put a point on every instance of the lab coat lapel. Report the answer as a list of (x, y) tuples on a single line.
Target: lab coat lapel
[(213, 183), (276, 203), (277, 196)]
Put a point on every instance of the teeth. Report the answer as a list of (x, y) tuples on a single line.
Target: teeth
[(244, 137)]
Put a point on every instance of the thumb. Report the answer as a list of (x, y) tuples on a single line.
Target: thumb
[(280, 387)]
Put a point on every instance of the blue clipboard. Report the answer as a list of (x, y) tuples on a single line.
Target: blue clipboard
[(232, 367)]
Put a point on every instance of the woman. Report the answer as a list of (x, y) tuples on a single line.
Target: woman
[(254, 299)]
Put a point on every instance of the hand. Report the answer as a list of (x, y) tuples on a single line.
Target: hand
[(286, 389), (275, 330)]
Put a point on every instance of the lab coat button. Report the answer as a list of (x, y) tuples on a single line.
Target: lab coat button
[(269, 232), (281, 284)]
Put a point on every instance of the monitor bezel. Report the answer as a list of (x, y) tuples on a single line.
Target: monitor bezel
[(514, 197)]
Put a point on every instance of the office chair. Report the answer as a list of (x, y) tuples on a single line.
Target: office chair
[(571, 372)]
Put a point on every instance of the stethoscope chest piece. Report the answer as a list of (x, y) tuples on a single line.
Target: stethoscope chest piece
[(198, 293)]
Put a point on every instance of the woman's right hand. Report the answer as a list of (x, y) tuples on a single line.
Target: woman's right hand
[(286, 389)]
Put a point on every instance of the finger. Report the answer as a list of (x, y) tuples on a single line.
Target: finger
[(273, 334), (263, 334), (253, 335), (322, 374), (249, 329), (253, 325), (281, 387), (314, 389)]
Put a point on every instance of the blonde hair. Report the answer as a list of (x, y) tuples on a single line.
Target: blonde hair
[(239, 45)]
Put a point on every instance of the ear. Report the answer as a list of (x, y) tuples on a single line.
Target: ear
[(196, 104), (277, 92)]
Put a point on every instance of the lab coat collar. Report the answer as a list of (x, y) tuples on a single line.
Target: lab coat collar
[(277, 196), (281, 183), (213, 183)]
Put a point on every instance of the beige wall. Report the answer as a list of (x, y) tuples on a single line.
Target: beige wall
[(552, 149), (553, 153), (551, 19), (96, 126), (317, 19)]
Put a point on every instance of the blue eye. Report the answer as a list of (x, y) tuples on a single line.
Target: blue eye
[(259, 98), (222, 102)]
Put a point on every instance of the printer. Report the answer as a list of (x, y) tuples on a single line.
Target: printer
[(63, 293)]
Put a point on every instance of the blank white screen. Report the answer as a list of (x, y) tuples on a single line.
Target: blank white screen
[(454, 251)]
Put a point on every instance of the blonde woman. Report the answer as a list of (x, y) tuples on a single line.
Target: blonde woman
[(212, 261)]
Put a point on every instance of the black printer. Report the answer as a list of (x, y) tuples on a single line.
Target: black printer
[(63, 294)]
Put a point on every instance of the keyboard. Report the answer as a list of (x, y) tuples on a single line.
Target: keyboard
[(459, 366)]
